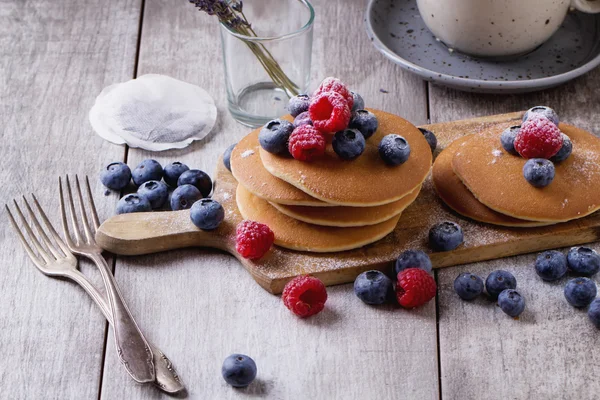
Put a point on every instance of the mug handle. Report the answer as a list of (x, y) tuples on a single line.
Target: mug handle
[(586, 6)]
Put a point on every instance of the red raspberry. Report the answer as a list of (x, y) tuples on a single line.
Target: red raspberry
[(253, 239), (538, 138), (306, 143), (304, 296), (329, 112), (335, 85), (415, 287)]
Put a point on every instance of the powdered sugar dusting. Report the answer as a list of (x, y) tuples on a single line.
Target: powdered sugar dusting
[(247, 153), (226, 196)]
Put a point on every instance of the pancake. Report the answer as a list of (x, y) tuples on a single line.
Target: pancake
[(342, 216), (364, 182), (297, 235), (248, 169), (496, 179), (452, 191)]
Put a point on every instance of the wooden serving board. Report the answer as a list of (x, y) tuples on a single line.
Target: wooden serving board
[(143, 233)]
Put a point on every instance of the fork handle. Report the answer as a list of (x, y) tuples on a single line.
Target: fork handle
[(132, 348)]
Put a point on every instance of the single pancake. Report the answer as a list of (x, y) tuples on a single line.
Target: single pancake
[(452, 191), (297, 235), (364, 182), (343, 216), (496, 178)]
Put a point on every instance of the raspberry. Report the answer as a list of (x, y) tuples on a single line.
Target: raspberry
[(329, 112), (306, 143), (415, 287), (304, 296), (335, 85), (538, 138), (253, 239)]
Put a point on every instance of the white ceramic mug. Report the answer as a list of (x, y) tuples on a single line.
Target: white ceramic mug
[(494, 28)]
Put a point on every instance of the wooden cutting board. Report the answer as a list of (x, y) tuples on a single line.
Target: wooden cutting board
[(144, 233)]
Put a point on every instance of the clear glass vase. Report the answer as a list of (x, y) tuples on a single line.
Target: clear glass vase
[(266, 67)]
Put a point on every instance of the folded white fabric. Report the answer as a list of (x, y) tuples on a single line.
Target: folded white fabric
[(153, 112)]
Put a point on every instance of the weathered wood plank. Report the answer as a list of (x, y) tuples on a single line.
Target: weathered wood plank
[(55, 57)]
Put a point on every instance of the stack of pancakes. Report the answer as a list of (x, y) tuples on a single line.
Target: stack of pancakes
[(330, 204), (477, 178)]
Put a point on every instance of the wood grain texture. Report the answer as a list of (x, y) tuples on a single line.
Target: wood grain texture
[(55, 58)]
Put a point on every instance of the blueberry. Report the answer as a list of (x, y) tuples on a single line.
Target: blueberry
[(565, 151), (584, 261), (348, 144), (115, 176), (359, 103), (298, 104), (227, 156), (539, 172), (394, 149), (498, 281), (507, 139), (580, 292), (413, 259), (594, 312), (133, 202), (156, 192), (238, 370), (445, 236), (430, 137), (545, 111), (373, 287), (511, 302), (551, 265), (173, 171), (147, 170), (468, 286), (365, 121), (184, 197), (302, 119), (274, 136), (197, 178), (207, 214)]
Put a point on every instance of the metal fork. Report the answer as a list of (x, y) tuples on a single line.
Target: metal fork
[(58, 261)]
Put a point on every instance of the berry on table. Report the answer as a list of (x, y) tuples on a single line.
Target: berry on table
[(304, 296), (565, 151), (511, 302), (544, 111), (329, 112), (156, 192), (348, 144), (507, 139), (413, 259), (197, 178), (394, 149), (468, 286), (357, 101), (583, 261), (207, 214), (415, 287), (227, 157), (499, 280), (538, 138), (239, 370), (302, 119), (184, 197), (274, 136), (580, 292), (373, 287), (115, 176), (430, 137), (335, 85), (594, 312), (253, 239), (298, 104), (306, 143), (133, 202), (551, 265), (173, 171), (539, 172), (147, 170), (445, 236), (364, 121)]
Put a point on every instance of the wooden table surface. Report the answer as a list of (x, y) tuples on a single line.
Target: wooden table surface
[(200, 306)]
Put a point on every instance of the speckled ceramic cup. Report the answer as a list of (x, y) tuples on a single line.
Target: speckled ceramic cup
[(497, 28)]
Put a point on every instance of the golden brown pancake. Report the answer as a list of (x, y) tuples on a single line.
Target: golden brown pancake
[(364, 182), (496, 179)]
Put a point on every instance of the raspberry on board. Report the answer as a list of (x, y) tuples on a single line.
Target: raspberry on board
[(253, 239), (335, 85), (538, 138), (306, 143), (305, 296), (415, 287), (329, 112)]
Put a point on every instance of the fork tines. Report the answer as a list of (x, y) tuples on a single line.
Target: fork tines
[(87, 229)]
